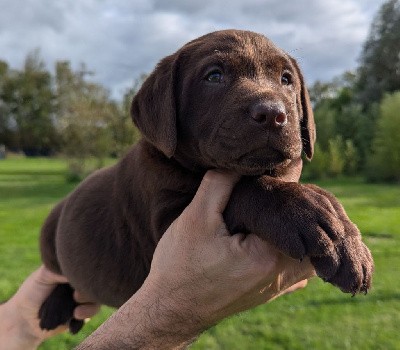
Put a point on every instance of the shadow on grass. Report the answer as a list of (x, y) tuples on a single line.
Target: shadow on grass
[(378, 235), (29, 172), (47, 187), (382, 195), (359, 299)]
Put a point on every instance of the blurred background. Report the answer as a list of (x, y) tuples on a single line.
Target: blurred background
[(69, 69)]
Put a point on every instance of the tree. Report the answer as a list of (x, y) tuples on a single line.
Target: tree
[(336, 160), (317, 168), (325, 120), (379, 71), (5, 132), (385, 159), (84, 111), (124, 133), (40, 113), (337, 114), (351, 158), (28, 106), (348, 106)]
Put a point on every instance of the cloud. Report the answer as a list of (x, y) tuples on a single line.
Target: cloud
[(120, 40)]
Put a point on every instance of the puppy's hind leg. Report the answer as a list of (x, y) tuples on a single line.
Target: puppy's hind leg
[(58, 308)]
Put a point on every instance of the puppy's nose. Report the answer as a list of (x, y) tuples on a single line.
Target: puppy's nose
[(270, 114)]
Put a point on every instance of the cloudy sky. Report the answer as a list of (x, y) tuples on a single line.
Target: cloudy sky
[(121, 39)]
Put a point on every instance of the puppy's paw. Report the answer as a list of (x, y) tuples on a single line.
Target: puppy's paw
[(305, 224), (58, 309), (354, 271)]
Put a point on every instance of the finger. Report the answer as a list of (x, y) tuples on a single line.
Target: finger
[(85, 311), (214, 191), (291, 289), (60, 329), (45, 276), (296, 286), (82, 298)]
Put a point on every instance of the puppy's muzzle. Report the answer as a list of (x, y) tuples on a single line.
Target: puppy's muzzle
[(271, 115)]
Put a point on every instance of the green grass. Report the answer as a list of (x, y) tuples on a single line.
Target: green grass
[(318, 317)]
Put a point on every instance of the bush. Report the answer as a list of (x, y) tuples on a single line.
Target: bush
[(336, 160), (351, 158), (340, 158), (316, 169), (384, 163)]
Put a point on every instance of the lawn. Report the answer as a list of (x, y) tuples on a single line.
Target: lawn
[(318, 317)]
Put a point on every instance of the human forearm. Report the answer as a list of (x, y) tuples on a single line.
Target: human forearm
[(149, 320)]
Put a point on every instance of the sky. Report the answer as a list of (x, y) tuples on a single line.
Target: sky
[(121, 39)]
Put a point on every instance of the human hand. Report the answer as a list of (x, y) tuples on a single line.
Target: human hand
[(199, 266), (19, 315)]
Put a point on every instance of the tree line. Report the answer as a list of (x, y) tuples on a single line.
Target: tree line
[(44, 114), (357, 114)]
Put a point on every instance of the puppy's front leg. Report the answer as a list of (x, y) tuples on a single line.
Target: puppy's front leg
[(298, 221)]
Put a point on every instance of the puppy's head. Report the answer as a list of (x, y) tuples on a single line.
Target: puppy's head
[(231, 100)]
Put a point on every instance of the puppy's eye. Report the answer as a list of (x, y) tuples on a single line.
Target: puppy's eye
[(215, 76), (286, 78)]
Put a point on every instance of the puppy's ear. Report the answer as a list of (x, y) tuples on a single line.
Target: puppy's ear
[(153, 108), (307, 124)]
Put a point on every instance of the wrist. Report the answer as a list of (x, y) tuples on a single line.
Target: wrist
[(167, 319), (153, 318), (172, 310), (15, 330)]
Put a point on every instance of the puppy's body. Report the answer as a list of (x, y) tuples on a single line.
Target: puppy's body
[(107, 229), (105, 232), (228, 100)]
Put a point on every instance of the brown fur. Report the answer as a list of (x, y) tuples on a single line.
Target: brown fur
[(103, 235)]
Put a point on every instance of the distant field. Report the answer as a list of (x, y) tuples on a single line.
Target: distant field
[(319, 317)]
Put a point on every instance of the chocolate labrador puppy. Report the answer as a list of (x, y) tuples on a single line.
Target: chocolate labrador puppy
[(227, 100)]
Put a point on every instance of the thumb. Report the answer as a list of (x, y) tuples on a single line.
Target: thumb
[(214, 191)]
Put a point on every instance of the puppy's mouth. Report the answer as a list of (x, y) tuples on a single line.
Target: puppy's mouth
[(265, 159), (260, 163), (252, 169)]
